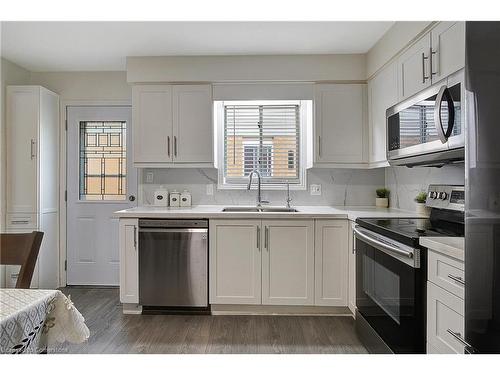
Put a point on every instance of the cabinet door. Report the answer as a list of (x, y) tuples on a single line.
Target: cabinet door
[(235, 262), (414, 68), (340, 121), (23, 109), (288, 262), (352, 270), (445, 313), (448, 45), (331, 252), (152, 123), (129, 261), (193, 130), (382, 94)]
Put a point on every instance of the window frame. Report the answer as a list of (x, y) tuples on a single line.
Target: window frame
[(305, 109)]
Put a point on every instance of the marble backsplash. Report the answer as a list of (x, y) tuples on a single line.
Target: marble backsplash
[(350, 187), (404, 183)]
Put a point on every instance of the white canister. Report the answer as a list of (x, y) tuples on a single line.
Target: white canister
[(161, 198), (185, 199), (174, 199)]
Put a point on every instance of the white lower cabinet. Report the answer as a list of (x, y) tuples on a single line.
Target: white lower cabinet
[(445, 317), (445, 305), (235, 262), (331, 262), (288, 262), (352, 269), (279, 262), (129, 261)]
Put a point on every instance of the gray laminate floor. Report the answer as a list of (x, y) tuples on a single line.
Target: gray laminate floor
[(113, 332)]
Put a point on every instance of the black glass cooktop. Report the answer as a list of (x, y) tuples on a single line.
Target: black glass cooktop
[(408, 230)]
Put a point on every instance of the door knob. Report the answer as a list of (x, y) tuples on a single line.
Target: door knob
[(131, 198)]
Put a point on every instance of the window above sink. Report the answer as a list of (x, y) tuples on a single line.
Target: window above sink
[(264, 135)]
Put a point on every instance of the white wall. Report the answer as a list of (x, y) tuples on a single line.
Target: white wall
[(246, 68), (405, 183), (392, 42), (85, 86)]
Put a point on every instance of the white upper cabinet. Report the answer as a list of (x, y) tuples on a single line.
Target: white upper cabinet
[(152, 123), (331, 259), (413, 68), (172, 125), (439, 53), (193, 130), (288, 262), (382, 94), (340, 125), (448, 46)]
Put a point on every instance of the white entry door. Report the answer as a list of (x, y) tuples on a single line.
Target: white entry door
[(100, 181)]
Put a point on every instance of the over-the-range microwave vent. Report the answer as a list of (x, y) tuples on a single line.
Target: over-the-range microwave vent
[(436, 159)]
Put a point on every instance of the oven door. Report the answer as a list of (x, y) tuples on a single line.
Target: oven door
[(390, 290), (429, 122)]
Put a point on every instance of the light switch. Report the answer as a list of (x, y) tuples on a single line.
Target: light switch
[(149, 177), (315, 189)]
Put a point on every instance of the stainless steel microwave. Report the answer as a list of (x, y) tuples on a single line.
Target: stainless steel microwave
[(428, 128)]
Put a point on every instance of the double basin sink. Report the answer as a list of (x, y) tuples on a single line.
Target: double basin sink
[(258, 209)]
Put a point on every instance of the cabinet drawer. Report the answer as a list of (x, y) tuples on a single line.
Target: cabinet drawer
[(445, 314), (21, 221), (446, 272)]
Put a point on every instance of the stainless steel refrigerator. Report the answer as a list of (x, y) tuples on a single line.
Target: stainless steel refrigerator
[(482, 180)]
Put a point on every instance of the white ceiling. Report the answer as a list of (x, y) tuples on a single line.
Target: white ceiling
[(85, 46)]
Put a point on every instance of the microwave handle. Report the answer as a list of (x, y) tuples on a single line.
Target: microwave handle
[(443, 136)]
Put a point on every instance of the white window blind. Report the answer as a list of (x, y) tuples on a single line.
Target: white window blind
[(263, 137)]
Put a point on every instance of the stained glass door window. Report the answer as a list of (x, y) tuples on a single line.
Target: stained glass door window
[(102, 161)]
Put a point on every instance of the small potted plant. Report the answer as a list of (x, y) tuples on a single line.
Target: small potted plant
[(420, 199), (382, 199)]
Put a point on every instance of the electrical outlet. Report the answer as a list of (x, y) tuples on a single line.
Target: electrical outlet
[(315, 189), (210, 189), (149, 177)]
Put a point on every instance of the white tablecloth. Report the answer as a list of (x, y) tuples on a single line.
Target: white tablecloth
[(32, 320)]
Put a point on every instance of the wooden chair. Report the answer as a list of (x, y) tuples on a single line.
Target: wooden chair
[(21, 249)]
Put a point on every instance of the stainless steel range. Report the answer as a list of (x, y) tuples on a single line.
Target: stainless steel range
[(391, 272)]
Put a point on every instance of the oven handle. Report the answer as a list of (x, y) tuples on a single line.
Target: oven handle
[(372, 241)]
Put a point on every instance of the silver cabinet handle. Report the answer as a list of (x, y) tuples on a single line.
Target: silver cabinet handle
[(424, 77), (135, 237), (458, 279), (33, 149), (175, 145), (431, 54), (258, 237), (266, 238), (319, 145), (168, 145), (19, 221), (458, 337)]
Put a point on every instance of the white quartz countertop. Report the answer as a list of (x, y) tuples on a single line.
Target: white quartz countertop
[(451, 246), (215, 211)]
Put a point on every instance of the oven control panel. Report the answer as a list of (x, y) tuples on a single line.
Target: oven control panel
[(450, 197)]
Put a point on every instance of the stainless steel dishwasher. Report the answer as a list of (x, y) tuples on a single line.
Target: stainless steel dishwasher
[(173, 264)]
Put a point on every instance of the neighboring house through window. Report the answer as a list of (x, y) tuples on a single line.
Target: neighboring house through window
[(260, 135)]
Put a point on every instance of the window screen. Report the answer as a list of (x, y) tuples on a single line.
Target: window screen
[(264, 138)]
